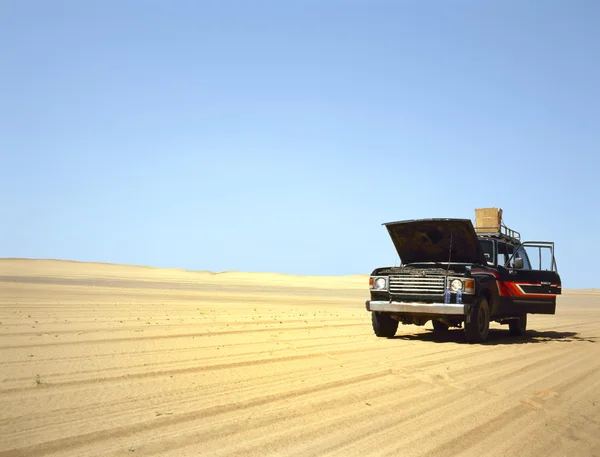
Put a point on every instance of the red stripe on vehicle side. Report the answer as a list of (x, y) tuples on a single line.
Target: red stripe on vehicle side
[(518, 292), (502, 289), (485, 272)]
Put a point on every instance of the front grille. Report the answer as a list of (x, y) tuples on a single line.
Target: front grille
[(414, 285)]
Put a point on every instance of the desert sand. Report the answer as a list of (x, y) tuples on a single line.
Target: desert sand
[(111, 360)]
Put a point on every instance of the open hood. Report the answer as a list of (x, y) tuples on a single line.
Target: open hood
[(436, 240)]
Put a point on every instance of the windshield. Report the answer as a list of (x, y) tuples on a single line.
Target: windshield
[(488, 250)]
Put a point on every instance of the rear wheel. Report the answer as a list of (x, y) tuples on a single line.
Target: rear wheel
[(478, 327), (518, 327), (383, 324), (439, 326)]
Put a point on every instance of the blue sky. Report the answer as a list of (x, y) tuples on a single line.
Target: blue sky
[(278, 136)]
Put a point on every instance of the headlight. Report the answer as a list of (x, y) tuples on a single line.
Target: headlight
[(466, 285), (455, 285), (380, 283)]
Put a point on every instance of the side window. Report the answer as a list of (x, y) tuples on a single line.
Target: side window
[(522, 253), (502, 254), (509, 251), (536, 258), (505, 252)]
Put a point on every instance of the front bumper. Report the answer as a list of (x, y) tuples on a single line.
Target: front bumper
[(416, 307)]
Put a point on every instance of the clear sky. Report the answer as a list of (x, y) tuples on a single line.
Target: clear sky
[(279, 135)]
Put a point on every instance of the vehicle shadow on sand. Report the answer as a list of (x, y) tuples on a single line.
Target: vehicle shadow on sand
[(499, 336)]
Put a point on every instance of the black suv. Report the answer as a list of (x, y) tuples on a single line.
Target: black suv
[(452, 276)]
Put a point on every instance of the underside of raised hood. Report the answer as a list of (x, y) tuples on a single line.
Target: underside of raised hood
[(436, 240)]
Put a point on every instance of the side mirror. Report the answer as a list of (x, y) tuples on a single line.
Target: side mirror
[(518, 264)]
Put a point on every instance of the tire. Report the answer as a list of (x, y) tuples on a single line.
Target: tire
[(478, 328), (439, 326), (383, 324), (518, 327)]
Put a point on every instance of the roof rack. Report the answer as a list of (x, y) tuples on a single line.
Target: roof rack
[(504, 233)]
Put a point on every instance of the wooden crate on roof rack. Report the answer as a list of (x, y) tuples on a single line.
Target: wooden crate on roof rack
[(489, 221)]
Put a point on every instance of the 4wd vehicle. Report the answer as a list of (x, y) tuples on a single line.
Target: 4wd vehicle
[(453, 275)]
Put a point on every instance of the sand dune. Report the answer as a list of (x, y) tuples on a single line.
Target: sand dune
[(110, 360)]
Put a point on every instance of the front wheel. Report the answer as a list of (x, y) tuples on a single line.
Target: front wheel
[(518, 327), (478, 327), (383, 324)]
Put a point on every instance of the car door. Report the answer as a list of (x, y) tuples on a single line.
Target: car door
[(533, 281)]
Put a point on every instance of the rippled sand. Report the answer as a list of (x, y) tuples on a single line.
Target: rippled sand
[(111, 360)]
